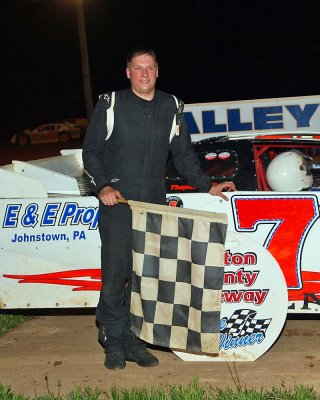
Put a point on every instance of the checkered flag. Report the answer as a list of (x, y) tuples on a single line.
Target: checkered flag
[(178, 267), (255, 326), (242, 323)]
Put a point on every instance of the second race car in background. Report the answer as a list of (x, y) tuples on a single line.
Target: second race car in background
[(81, 123), (55, 132)]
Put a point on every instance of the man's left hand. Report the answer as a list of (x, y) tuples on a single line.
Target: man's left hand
[(217, 190)]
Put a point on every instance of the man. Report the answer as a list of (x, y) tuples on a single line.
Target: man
[(130, 163)]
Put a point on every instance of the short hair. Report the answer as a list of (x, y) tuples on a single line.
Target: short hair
[(139, 51)]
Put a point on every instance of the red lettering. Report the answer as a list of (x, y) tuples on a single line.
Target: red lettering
[(292, 218)]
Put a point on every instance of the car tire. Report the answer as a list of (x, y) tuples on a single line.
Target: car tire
[(64, 137), (23, 140)]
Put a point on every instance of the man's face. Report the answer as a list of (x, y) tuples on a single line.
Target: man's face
[(143, 73)]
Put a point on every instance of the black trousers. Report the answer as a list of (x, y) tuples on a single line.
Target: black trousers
[(113, 309)]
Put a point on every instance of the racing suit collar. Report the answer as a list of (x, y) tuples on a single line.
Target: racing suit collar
[(141, 100)]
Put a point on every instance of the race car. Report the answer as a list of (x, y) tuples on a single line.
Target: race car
[(81, 123), (50, 246), (55, 132), (266, 162)]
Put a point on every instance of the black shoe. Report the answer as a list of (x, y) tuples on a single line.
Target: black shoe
[(115, 359), (142, 356), (102, 336)]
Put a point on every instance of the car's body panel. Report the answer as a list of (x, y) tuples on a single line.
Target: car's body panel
[(50, 244)]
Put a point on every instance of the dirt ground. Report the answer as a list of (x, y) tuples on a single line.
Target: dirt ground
[(56, 354)]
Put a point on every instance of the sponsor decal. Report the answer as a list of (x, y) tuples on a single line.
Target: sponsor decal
[(260, 115), (53, 214), (174, 187), (174, 201), (254, 302), (242, 329)]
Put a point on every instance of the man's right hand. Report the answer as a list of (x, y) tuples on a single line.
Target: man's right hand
[(109, 196)]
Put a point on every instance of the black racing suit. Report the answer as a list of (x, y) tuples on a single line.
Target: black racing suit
[(133, 161)]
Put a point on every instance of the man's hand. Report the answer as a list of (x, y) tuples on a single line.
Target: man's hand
[(218, 189), (109, 196)]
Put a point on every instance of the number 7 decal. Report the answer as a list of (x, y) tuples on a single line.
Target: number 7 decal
[(292, 218)]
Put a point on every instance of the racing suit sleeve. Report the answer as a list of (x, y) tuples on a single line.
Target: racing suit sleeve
[(93, 145), (186, 161)]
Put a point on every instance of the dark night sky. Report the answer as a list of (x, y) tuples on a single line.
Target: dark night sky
[(209, 50)]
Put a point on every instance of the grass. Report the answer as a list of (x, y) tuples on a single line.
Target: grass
[(187, 392), (9, 322), (193, 391)]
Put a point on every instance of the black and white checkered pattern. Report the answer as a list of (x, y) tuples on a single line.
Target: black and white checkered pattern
[(242, 323), (255, 326), (178, 267)]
